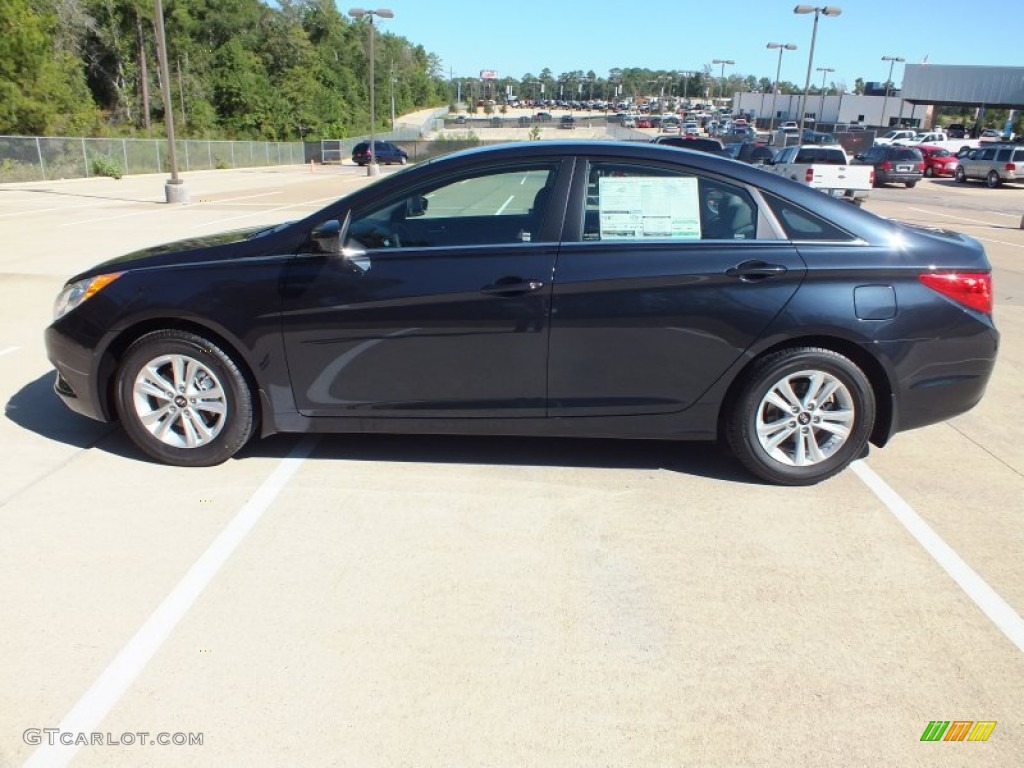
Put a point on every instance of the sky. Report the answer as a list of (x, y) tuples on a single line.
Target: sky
[(525, 36)]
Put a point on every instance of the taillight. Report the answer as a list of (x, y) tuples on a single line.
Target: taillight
[(809, 175), (872, 177), (920, 167), (886, 166), (1011, 167), (972, 289)]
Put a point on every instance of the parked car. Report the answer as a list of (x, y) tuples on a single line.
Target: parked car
[(538, 288), (891, 137), (893, 164), (643, 122), (567, 121), (460, 119), (937, 161), (628, 122), (384, 152), (754, 152), (714, 146), (956, 131), (994, 163)]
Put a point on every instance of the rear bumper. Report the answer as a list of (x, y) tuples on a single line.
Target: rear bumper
[(893, 177)]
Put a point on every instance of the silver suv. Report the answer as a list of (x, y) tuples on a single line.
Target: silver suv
[(995, 163)]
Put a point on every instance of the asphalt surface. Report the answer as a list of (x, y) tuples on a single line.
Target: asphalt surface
[(419, 601)]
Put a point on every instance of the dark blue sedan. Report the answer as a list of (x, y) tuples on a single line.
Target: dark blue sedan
[(543, 288)]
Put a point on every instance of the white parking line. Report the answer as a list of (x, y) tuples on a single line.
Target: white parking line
[(504, 205), (162, 208), (992, 605), (268, 210), (8, 350), (111, 685)]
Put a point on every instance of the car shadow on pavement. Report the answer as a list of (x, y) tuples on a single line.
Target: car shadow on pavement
[(37, 408), (688, 458)]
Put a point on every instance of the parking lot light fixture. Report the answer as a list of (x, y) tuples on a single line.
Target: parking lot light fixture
[(888, 84), (383, 13), (723, 62), (778, 70), (825, 10)]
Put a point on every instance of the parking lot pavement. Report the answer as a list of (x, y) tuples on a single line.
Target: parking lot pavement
[(418, 600)]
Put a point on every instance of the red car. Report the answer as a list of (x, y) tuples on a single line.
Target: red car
[(938, 161), (643, 122)]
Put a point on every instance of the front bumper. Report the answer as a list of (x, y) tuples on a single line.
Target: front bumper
[(78, 374)]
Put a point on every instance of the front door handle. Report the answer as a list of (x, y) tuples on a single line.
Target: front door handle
[(512, 286), (755, 269)]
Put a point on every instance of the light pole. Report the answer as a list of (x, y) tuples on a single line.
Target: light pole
[(686, 86), (778, 70), (383, 13), (888, 83), (174, 188), (824, 73), (723, 62), (826, 10)]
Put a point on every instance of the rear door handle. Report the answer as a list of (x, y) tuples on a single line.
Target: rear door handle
[(755, 269), (512, 286)]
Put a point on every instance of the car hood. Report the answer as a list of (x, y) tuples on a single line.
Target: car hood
[(236, 243)]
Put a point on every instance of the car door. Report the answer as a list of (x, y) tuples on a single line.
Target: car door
[(432, 301), (664, 278)]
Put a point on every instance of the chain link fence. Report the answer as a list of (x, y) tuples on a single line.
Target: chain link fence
[(37, 158)]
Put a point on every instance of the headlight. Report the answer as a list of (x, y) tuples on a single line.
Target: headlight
[(75, 293)]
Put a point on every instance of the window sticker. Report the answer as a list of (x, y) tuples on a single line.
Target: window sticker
[(648, 207)]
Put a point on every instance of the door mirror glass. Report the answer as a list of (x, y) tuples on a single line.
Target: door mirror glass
[(416, 206), (326, 237)]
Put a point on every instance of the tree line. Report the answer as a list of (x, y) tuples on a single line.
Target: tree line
[(239, 69)]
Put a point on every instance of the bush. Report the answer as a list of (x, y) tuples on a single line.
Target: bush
[(102, 165)]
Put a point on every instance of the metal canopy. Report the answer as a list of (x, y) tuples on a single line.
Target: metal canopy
[(949, 85)]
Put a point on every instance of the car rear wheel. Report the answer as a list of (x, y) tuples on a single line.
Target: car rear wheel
[(801, 416), (183, 400), (403, 160), (960, 176), (911, 184), (929, 171), (992, 180)]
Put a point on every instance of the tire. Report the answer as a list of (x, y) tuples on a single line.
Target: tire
[(992, 180), (155, 381), (403, 160), (960, 176), (911, 184), (788, 448), (929, 171)]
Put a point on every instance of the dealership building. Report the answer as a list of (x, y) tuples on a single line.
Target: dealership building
[(925, 86)]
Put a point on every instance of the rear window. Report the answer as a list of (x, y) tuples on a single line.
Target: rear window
[(906, 154), (1003, 155)]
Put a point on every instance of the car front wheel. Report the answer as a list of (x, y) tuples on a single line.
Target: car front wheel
[(929, 171), (183, 400), (801, 416), (960, 176)]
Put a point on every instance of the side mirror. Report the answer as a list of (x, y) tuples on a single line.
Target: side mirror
[(416, 206), (326, 237), (858, 157)]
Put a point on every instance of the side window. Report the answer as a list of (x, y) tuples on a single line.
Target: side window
[(1018, 156), (800, 224), (491, 208), (628, 201), (1003, 155), (987, 154)]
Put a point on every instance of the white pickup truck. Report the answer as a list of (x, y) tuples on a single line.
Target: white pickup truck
[(825, 168), (937, 139)]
